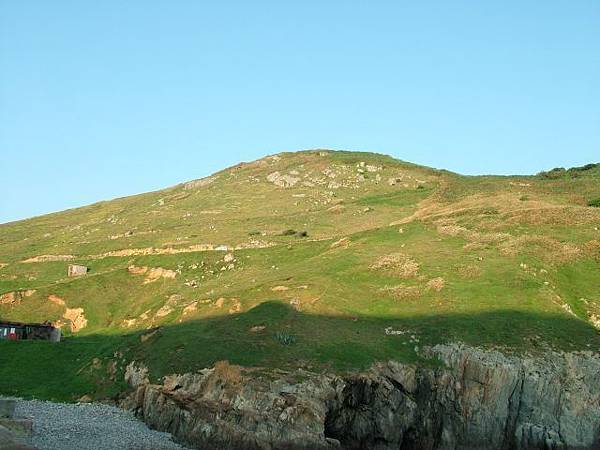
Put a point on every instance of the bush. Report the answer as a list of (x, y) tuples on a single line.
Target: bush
[(557, 172), (595, 203), (573, 172), (285, 338), (490, 211), (292, 232), (228, 372), (576, 170)]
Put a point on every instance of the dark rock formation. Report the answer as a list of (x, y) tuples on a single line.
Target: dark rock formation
[(475, 400)]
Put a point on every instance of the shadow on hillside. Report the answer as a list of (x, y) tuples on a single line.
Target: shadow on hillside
[(271, 335)]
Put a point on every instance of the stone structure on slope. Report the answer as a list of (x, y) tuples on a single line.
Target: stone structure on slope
[(76, 270)]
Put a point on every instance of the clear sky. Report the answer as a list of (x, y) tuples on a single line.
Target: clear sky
[(100, 99)]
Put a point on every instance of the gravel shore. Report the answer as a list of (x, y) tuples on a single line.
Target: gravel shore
[(59, 426)]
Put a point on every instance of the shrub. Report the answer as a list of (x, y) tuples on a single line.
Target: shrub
[(573, 172), (490, 211), (397, 264), (285, 338), (292, 232), (228, 372), (557, 172), (595, 203)]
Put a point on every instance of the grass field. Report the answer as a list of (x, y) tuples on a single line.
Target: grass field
[(324, 260)]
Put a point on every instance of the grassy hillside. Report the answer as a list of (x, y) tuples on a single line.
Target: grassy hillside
[(320, 259)]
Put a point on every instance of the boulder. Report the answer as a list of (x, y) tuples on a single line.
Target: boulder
[(8, 441), (7, 408)]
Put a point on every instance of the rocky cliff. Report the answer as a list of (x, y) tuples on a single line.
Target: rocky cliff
[(475, 399)]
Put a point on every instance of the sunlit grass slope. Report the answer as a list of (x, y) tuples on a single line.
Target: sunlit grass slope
[(320, 259)]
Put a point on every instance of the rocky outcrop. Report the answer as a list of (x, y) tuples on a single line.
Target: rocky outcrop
[(10, 441), (152, 273), (220, 409), (480, 400), (199, 183), (14, 298), (475, 399), (48, 258), (14, 431), (76, 318), (280, 180)]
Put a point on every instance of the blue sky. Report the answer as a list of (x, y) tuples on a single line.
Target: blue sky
[(111, 98)]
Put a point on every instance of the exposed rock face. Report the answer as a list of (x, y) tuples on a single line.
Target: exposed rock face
[(216, 409), (14, 298), (46, 258), (76, 317), (199, 183), (56, 300), (280, 180), (9, 441), (479, 400), (482, 400), (152, 273)]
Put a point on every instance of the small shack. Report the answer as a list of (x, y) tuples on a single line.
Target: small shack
[(76, 270), (17, 331)]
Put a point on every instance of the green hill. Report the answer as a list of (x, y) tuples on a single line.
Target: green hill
[(320, 259)]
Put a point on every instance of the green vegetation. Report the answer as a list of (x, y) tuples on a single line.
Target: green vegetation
[(285, 338), (573, 172), (325, 260)]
